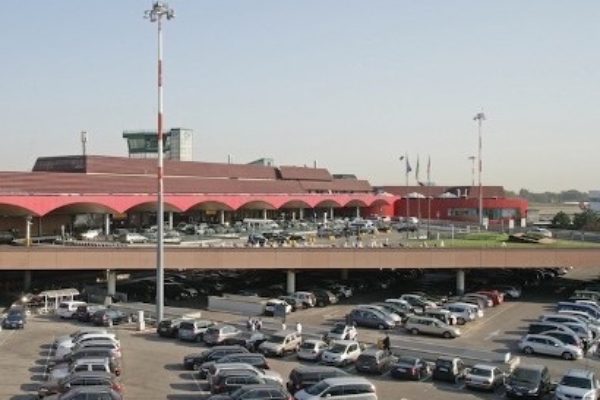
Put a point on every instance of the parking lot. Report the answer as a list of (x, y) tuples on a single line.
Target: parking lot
[(153, 365)]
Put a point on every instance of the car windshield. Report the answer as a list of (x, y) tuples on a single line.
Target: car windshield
[(209, 331), (338, 348), (307, 346), (277, 339), (525, 375), (186, 325), (317, 388), (14, 317), (407, 360), (481, 372), (444, 363), (338, 329), (576, 382)]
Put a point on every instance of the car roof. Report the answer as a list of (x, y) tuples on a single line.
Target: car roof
[(344, 380), (345, 342), (315, 368), (90, 374), (315, 341), (372, 351), (579, 373)]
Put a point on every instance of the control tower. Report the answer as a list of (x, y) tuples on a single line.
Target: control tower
[(144, 144)]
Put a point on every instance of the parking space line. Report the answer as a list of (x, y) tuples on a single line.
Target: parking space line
[(50, 352)]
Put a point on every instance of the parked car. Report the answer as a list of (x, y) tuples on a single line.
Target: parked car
[(292, 301), (249, 340), (464, 313), (528, 381), (273, 304), (544, 326), (169, 327), (340, 388), (311, 350), (85, 312), (395, 308), (403, 305), (255, 239), (307, 299), (375, 361), (383, 311), (90, 234), (254, 359), (85, 364), (77, 379), (216, 369), (431, 326), (417, 301), (512, 292), (88, 392), (217, 334), (304, 376), (446, 316), (542, 344), (483, 376), (15, 319), (6, 237), (195, 360), (341, 331), (324, 297), (66, 309), (410, 368), (370, 319), (566, 338), (449, 369), (194, 329), (496, 296), (280, 343), (230, 381), (132, 237), (578, 384), (274, 392), (108, 317), (484, 301), (341, 352)]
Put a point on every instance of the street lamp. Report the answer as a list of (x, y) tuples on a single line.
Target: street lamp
[(158, 11), (480, 117), (407, 171)]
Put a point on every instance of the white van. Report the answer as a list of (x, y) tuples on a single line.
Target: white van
[(66, 309)]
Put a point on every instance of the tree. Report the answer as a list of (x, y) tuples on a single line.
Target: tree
[(587, 220), (561, 220)]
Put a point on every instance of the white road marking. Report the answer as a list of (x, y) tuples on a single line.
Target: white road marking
[(8, 336), (492, 334), (48, 359)]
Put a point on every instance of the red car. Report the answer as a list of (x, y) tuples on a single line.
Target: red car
[(494, 295)]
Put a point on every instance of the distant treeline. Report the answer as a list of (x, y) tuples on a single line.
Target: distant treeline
[(550, 197)]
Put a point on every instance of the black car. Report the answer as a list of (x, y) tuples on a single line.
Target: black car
[(410, 368), (531, 381), (168, 328), (84, 313), (108, 317), (305, 376), (14, 320), (374, 361), (231, 380), (324, 297), (195, 360), (254, 239), (448, 369), (6, 237), (249, 340)]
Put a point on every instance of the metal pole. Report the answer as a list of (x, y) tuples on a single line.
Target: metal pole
[(160, 9), (480, 117)]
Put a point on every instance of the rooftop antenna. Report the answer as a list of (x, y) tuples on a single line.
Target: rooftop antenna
[(84, 138)]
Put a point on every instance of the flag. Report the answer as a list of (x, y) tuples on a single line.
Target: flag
[(408, 168), (429, 170), (417, 170)]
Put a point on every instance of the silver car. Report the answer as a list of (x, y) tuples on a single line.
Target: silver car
[(341, 388), (311, 350), (483, 376)]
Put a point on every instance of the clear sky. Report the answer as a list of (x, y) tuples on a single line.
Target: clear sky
[(352, 84)]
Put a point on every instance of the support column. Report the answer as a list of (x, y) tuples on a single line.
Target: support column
[(111, 281), (301, 213), (40, 230), (265, 213), (357, 212), (27, 280), (331, 213), (293, 215), (222, 217), (460, 282), (344, 274), (291, 281), (28, 230), (106, 225), (171, 220), (325, 217)]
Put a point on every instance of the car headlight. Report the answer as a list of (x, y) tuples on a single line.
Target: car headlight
[(589, 396), (533, 391)]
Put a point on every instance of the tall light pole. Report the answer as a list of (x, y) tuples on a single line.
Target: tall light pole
[(158, 11), (480, 117), (472, 158), (407, 171)]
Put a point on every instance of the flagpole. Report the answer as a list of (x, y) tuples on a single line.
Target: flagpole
[(428, 194), (418, 198), (407, 169)]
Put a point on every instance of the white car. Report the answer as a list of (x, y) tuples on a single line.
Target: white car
[(132, 237), (311, 350), (341, 352), (66, 309), (483, 376), (272, 305), (83, 364), (75, 335), (477, 312), (342, 332), (90, 234), (66, 347), (578, 384), (543, 344), (463, 313)]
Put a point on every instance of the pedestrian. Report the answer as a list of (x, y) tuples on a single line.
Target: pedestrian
[(299, 328), (283, 326), (249, 323), (259, 324), (386, 344)]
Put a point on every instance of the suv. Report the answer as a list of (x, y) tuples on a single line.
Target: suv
[(84, 312), (305, 376), (280, 343), (343, 388), (218, 333), (169, 328), (543, 344), (90, 393), (266, 392), (578, 384), (193, 330), (528, 381), (433, 326), (448, 369), (256, 360), (85, 364), (80, 379), (341, 352), (374, 361)]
